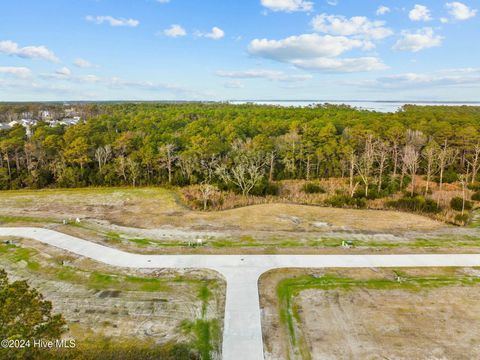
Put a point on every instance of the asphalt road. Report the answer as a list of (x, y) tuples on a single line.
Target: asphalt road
[(242, 337)]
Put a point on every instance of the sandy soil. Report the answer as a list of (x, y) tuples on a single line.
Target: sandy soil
[(362, 323), (111, 311)]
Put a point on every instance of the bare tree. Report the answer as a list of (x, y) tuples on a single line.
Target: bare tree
[(133, 170), (411, 160), (246, 172), (446, 157), (271, 157), (209, 166), (188, 163), (121, 167), (103, 155), (463, 182), (474, 162), (395, 156), (430, 155), (167, 158), (381, 153), (365, 162), (207, 191), (352, 163)]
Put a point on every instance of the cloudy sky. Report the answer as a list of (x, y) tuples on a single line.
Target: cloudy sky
[(232, 49)]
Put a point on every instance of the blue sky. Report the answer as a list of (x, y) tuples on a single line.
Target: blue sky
[(232, 49)]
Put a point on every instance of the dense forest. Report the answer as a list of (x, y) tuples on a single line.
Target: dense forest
[(244, 148)]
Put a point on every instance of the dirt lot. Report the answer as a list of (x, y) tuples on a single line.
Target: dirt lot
[(154, 221), (431, 314), (102, 301), (156, 207)]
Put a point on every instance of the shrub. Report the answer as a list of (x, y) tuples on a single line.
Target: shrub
[(474, 186), (311, 188), (415, 203), (449, 176), (346, 201), (265, 188), (462, 219), (457, 204), (476, 196)]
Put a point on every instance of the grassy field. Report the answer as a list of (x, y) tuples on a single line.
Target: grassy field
[(341, 300)]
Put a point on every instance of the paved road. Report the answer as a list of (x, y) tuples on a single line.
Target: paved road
[(242, 338)]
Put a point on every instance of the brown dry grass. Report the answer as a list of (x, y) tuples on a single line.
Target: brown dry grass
[(157, 207)]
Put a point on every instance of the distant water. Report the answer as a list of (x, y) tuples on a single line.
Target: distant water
[(380, 106)]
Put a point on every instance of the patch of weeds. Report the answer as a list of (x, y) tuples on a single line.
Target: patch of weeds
[(147, 284), (100, 281), (113, 237), (26, 219), (204, 295), (141, 242), (67, 274), (206, 334)]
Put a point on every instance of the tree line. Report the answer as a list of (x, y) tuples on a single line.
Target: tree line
[(244, 147)]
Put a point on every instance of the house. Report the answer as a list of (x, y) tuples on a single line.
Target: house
[(69, 121), (45, 115)]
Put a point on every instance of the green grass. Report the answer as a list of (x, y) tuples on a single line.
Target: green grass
[(102, 281), (148, 284), (141, 242), (206, 334), (204, 294), (92, 279), (288, 289), (28, 219)]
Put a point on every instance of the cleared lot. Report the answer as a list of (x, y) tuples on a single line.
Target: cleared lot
[(155, 207), (103, 304), (372, 314), (153, 220)]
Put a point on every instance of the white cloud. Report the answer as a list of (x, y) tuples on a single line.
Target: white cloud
[(113, 21), (29, 52), (421, 39), (420, 13), (64, 71), (460, 11), (355, 26), (20, 72), (348, 65), (382, 10), (288, 5), (175, 31), (65, 74), (83, 64), (449, 77), (215, 34), (332, 2), (264, 74), (163, 1), (316, 52), (303, 46)]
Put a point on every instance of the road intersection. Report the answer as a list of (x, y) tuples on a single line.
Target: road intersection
[(242, 337)]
